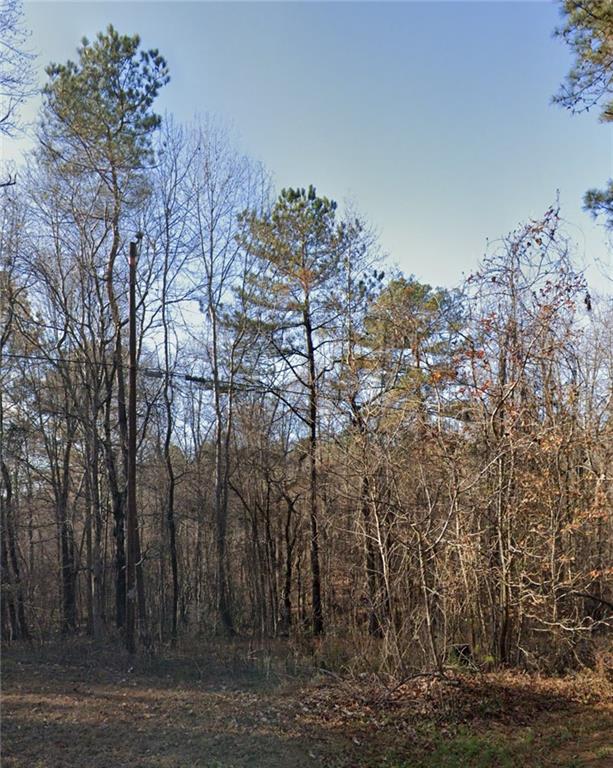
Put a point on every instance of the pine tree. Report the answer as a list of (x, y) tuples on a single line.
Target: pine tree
[(302, 248), (588, 31)]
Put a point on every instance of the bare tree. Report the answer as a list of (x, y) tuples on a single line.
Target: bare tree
[(224, 184), (16, 74)]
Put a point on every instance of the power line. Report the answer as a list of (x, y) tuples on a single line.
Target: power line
[(182, 374), (150, 372)]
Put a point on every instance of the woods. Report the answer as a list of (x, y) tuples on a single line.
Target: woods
[(325, 446), (282, 483)]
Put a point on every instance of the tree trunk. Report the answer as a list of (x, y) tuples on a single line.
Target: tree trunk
[(316, 602), (67, 547)]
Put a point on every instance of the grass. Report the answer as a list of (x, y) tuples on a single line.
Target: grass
[(473, 750), (469, 749), (233, 706)]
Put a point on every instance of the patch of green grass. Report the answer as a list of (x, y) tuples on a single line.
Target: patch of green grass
[(561, 735), (473, 750), (603, 752), (469, 749)]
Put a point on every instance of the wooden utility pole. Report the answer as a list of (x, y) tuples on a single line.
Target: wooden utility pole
[(132, 523)]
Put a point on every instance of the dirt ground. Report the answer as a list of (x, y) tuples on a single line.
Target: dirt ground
[(78, 706)]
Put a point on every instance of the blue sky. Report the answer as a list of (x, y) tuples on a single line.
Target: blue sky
[(434, 118)]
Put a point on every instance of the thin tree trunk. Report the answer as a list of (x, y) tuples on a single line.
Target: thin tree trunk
[(316, 602)]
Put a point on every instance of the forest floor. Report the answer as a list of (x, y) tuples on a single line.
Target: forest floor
[(78, 706)]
